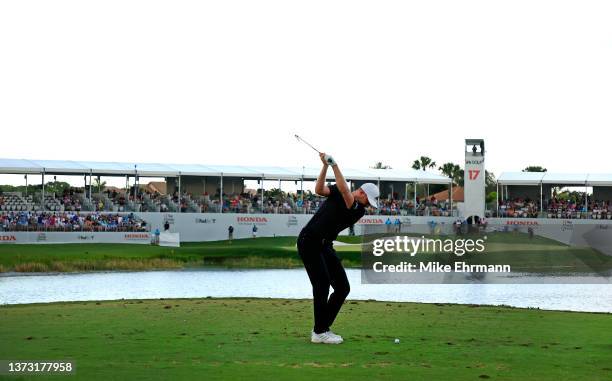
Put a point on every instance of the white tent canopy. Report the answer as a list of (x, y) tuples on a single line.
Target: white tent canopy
[(520, 178), (537, 178), (72, 167), (600, 179)]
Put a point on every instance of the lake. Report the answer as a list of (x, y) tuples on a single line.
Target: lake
[(292, 284)]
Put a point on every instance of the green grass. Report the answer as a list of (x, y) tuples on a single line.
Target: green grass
[(260, 252), (538, 254), (267, 339), (267, 252)]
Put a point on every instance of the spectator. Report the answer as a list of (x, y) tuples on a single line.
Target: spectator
[(157, 234), (230, 233)]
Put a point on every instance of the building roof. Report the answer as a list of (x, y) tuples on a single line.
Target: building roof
[(157, 186), (458, 195), (73, 167), (537, 178)]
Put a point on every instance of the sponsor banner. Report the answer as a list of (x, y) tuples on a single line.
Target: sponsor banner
[(137, 237), (371, 221), (196, 227), (169, 239), (8, 238), (193, 227), (199, 220), (292, 221), (577, 233), (168, 217), (403, 220), (75, 237), (251, 220), (522, 222)]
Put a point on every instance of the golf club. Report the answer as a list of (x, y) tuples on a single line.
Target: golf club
[(328, 158), (305, 142)]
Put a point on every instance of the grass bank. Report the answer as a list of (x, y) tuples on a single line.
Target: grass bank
[(531, 255), (278, 252), (229, 339)]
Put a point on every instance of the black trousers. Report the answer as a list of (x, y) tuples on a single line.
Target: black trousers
[(324, 270)]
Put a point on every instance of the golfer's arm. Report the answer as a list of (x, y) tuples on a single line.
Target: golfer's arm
[(320, 188), (343, 187)]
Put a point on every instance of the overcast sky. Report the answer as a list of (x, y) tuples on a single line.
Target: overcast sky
[(230, 82)]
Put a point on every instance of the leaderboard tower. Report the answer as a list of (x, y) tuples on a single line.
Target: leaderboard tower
[(474, 179)]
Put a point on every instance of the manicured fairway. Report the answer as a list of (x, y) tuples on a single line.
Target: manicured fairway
[(266, 339)]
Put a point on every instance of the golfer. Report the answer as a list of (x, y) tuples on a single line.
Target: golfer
[(315, 246)]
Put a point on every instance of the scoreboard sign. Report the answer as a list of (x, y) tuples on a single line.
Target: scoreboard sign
[(474, 203)]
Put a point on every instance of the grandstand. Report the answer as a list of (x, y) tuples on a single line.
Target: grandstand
[(196, 188), (534, 194)]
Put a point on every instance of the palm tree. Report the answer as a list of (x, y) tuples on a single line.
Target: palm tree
[(453, 171), (423, 163), (99, 184)]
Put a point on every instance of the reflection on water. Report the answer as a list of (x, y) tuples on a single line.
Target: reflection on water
[(289, 284)]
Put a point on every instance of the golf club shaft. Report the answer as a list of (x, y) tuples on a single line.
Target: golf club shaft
[(305, 142)]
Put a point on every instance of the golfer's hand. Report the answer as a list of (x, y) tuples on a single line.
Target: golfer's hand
[(322, 157), (327, 159)]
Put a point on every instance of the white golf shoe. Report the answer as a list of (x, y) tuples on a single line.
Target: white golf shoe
[(330, 333), (325, 338)]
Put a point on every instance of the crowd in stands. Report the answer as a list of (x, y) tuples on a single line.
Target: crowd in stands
[(118, 200), (71, 200), (433, 207), (556, 208), (248, 203), (281, 204), (424, 207), (76, 200), (288, 203), (519, 208), (71, 221), (309, 204), (578, 209)]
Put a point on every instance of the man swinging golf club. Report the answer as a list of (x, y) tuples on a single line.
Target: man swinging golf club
[(341, 209)]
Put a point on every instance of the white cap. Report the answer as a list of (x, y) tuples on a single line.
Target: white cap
[(372, 192)]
